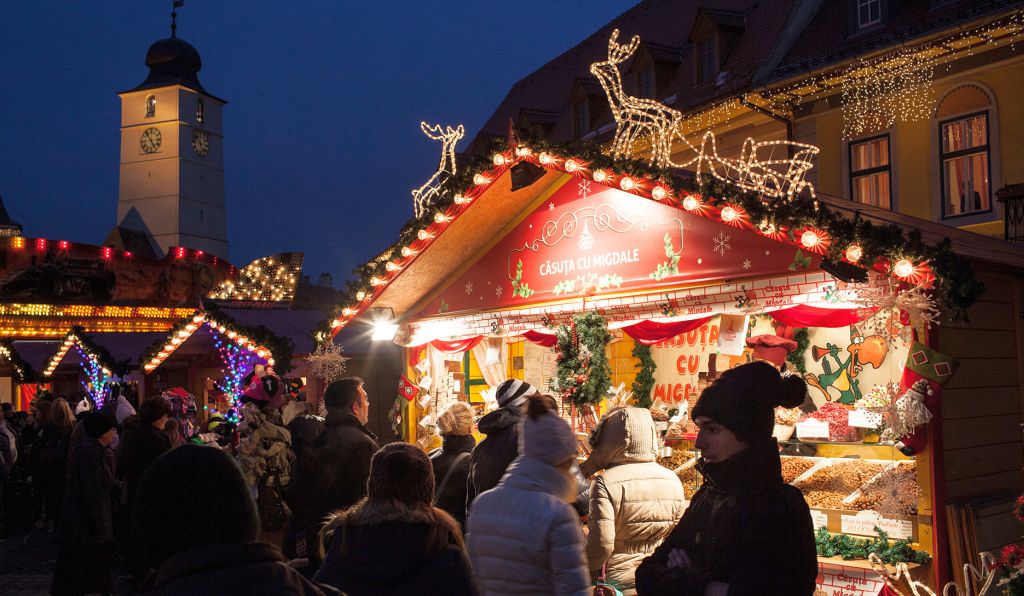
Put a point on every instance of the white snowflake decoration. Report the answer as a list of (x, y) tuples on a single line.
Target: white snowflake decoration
[(497, 292), (469, 288), (747, 264), (582, 191), (326, 362), (424, 195), (551, 206), (722, 243)]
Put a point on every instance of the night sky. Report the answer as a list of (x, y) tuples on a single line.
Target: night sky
[(322, 135)]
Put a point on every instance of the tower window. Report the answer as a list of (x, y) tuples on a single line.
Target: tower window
[(150, 106), (200, 110)]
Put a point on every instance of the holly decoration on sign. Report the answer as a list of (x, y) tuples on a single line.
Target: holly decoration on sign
[(583, 375)]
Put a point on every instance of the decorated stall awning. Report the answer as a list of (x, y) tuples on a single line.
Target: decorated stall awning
[(99, 366), (10, 357), (200, 319)]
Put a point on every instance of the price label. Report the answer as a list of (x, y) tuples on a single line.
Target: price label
[(864, 524), (812, 429), (819, 518), (865, 419)]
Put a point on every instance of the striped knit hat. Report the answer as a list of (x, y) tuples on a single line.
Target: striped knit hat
[(513, 392)]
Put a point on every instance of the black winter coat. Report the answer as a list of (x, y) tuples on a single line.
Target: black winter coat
[(745, 528), (140, 445), (495, 453), (231, 569), (86, 515), (390, 556), (333, 474), (452, 497)]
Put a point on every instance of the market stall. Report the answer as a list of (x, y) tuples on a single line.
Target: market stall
[(594, 281)]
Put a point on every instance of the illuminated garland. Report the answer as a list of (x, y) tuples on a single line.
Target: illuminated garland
[(271, 278), (22, 370), (801, 221), (181, 334), (98, 364)]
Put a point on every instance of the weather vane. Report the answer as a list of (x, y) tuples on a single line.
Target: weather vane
[(175, 4)]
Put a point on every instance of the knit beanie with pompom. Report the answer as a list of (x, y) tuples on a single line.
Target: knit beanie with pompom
[(545, 436), (744, 399)]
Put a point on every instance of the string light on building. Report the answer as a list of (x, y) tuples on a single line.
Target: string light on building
[(881, 92), (425, 195), (99, 375), (268, 279)]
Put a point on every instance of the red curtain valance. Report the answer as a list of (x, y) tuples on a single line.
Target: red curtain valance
[(651, 332), (548, 340), (813, 316), (456, 345)]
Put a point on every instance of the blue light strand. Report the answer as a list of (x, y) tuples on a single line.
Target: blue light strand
[(98, 386)]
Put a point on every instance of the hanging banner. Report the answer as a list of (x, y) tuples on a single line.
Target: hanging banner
[(683, 363), (588, 239)]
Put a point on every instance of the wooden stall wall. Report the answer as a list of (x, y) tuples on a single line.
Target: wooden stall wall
[(981, 407)]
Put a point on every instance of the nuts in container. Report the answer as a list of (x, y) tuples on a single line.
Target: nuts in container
[(792, 467), (827, 488), (894, 492)]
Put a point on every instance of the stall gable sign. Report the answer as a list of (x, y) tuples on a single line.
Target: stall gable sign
[(589, 239)]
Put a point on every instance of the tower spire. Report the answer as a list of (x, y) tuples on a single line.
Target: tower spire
[(175, 4)]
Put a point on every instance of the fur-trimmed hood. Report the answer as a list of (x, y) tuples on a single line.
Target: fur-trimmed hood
[(441, 528)]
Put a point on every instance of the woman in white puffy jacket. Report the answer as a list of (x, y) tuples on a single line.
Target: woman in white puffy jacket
[(524, 537), (635, 503)]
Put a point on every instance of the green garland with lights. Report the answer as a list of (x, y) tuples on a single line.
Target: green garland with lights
[(956, 286), (849, 547), (23, 371), (644, 382), (282, 348), (583, 376)]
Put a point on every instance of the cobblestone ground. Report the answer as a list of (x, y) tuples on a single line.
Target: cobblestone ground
[(27, 557)]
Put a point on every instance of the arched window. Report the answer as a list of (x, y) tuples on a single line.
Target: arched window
[(965, 168), (150, 106), (200, 110)]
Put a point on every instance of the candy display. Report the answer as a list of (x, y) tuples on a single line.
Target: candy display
[(837, 418)]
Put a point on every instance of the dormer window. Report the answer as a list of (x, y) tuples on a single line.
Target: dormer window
[(707, 60), (150, 106), (200, 111), (869, 12), (580, 119), (645, 82)]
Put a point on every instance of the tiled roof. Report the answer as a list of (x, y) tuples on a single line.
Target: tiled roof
[(664, 25), (830, 38)]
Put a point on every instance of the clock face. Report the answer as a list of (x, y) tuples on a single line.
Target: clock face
[(200, 143), (150, 140)]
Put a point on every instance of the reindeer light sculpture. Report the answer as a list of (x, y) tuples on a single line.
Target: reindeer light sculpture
[(984, 577), (646, 119), (424, 195)]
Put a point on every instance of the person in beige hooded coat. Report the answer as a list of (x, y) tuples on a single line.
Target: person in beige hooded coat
[(635, 503)]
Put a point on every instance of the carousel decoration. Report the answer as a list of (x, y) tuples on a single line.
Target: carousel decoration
[(424, 196), (639, 119), (271, 279)]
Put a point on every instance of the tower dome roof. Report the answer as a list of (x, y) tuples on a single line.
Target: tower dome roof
[(173, 61)]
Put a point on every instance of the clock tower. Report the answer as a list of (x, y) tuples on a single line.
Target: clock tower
[(172, 155)]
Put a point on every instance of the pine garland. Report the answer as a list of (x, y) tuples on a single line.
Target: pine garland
[(796, 357), (956, 286), (118, 368), (583, 374), (849, 547), (23, 371), (644, 382)]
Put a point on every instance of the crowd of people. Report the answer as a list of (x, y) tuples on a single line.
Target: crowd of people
[(514, 514)]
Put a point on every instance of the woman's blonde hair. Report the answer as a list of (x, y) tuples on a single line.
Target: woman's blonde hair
[(61, 414)]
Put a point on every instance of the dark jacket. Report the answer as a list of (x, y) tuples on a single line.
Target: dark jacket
[(745, 528), (452, 497), (140, 445), (494, 454), (222, 569), (333, 474), (386, 552), (85, 516)]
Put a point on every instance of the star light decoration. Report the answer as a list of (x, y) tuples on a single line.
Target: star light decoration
[(327, 362), (423, 196), (99, 376), (640, 119)]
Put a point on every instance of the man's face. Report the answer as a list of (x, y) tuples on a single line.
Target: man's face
[(361, 409)]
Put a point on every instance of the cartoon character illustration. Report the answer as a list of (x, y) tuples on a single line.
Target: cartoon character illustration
[(863, 350)]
